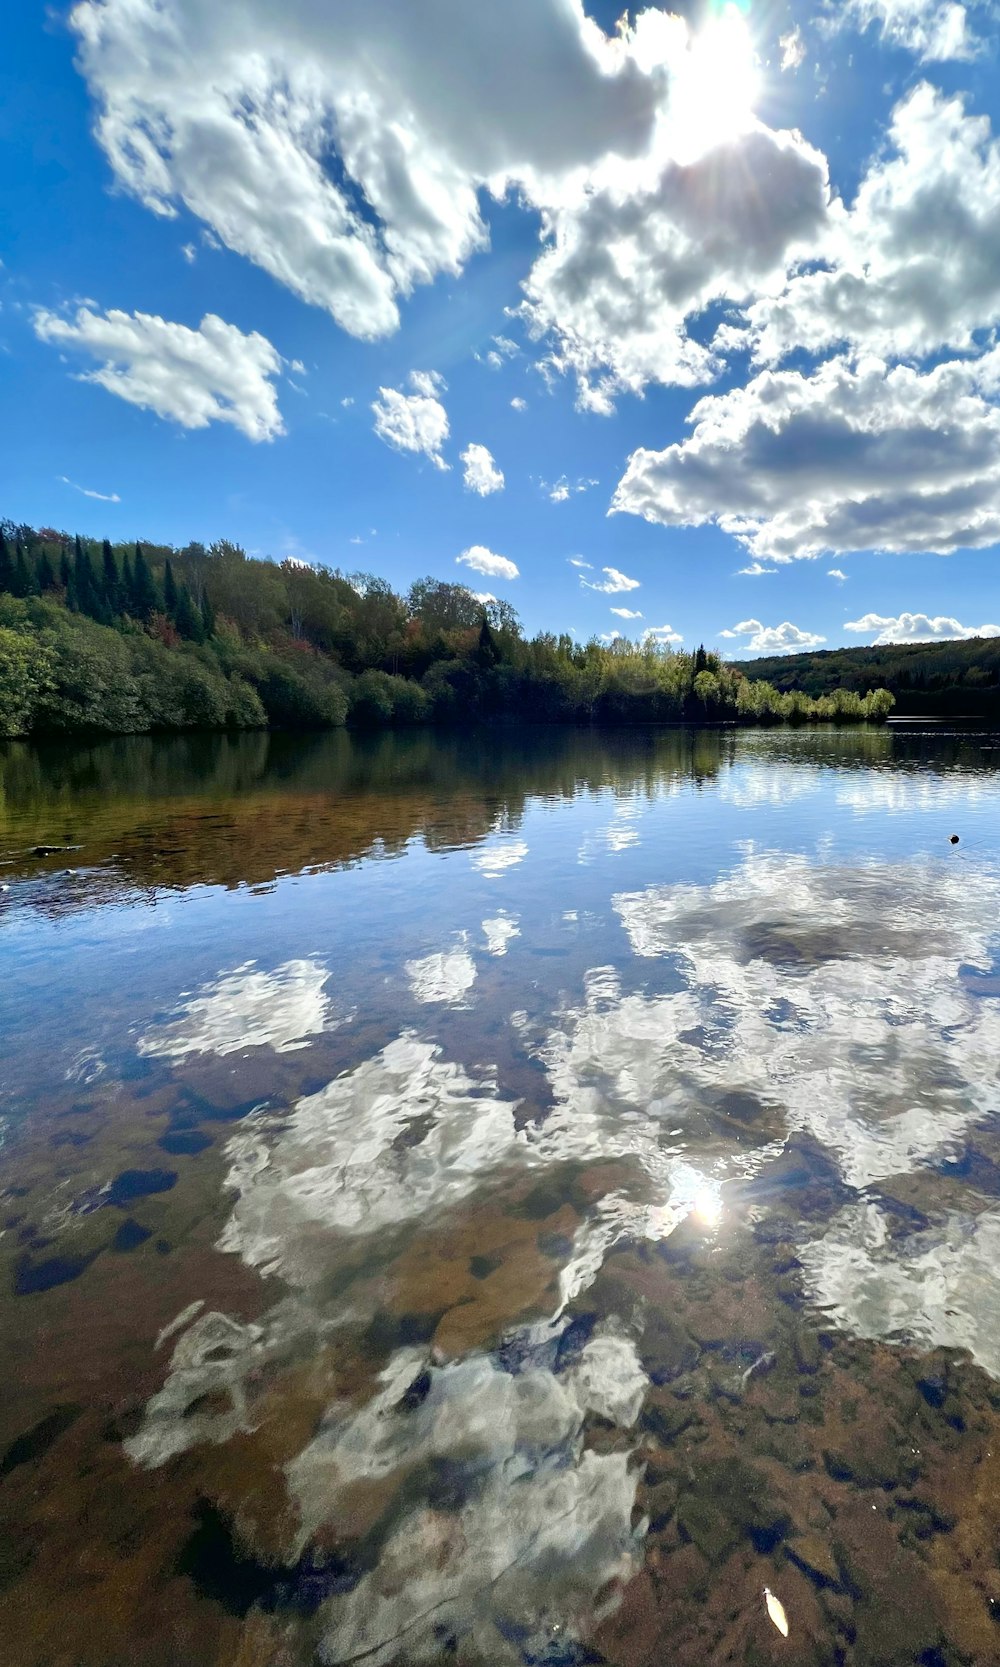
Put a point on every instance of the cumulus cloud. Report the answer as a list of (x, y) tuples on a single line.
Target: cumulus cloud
[(481, 472), (773, 639), (484, 561), (914, 265), (562, 490), (613, 583), (754, 570), (577, 561), (835, 573), (519, 404), (445, 977), (653, 199), (851, 457), (662, 634), (626, 613), (917, 628), (192, 377), (931, 29), (417, 421)]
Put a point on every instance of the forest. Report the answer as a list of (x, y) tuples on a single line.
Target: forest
[(942, 679), (124, 639)]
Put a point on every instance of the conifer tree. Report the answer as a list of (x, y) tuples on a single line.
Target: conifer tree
[(46, 573), (169, 591), (208, 616), (145, 597), (187, 617), (65, 571), (24, 579), (6, 564), (111, 581)]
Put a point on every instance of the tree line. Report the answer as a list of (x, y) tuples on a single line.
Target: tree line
[(942, 679), (137, 638)]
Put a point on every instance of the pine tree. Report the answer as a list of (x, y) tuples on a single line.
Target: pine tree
[(24, 579), (208, 616), (127, 585), (169, 592), (65, 571), (488, 652), (700, 660), (187, 617), (6, 565), (111, 581), (87, 599), (46, 572), (145, 597)]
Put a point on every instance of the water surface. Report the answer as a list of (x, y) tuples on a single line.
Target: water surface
[(495, 1200)]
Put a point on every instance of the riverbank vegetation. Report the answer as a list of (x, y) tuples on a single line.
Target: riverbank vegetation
[(132, 639)]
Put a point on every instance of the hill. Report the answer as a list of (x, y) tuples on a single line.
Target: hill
[(947, 679)]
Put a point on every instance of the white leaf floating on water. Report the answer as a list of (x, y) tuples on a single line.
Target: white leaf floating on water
[(247, 1008), (776, 1610)]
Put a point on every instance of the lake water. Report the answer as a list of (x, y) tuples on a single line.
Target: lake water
[(501, 1200)]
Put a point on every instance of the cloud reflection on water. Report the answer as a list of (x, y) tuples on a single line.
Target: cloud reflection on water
[(246, 1008)]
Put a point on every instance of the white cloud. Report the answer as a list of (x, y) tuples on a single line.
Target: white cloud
[(499, 932), (416, 422), (347, 403), (519, 404), (917, 628), (642, 161), (494, 860), (852, 457), (932, 29), (773, 639), (835, 573), (563, 489), (914, 265), (484, 561), (576, 561), (793, 49), (102, 497), (503, 348), (662, 634), (193, 377), (190, 252), (626, 613), (484, 596), (614, 583), (481, 472), (754, 570)]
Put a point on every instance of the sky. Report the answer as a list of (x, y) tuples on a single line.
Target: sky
[(681, 323)]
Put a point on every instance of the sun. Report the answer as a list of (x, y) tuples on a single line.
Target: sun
[(715, 90)]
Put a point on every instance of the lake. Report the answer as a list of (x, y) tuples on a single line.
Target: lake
[(496, 1199)]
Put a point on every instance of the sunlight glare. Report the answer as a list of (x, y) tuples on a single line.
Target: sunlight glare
[(714, 95)]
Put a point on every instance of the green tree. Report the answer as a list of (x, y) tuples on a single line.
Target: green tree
[(25, 674), (169, 591), (6, 565), (145, 598), (111, 584)]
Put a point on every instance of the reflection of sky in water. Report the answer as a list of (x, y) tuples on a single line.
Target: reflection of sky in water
[(684, 972), (247, 1008)]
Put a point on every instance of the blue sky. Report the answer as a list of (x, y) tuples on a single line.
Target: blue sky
[(744, 265)]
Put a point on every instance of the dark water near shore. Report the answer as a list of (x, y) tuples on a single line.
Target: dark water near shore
[(495, 1200)]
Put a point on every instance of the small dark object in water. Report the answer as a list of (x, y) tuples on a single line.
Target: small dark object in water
[(138, 1183), (953, 840), (53, 850)]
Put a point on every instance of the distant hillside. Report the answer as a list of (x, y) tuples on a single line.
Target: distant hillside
[(948, 679)]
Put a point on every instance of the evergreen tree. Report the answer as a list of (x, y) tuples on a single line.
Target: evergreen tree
[(169, 591), (127, 585), (24, 579), (145, 596), (488, 651), (87, 599), (6, 564), (46, 572), (187, 617), (207, 616), (111, 585), (65, 571), (700, 660)]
